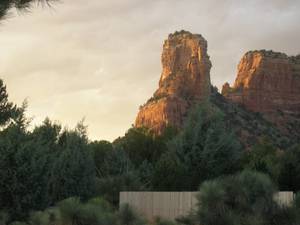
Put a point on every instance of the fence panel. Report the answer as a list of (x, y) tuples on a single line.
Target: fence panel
[(170, 205)]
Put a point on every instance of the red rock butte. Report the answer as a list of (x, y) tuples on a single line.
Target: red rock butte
[(267, 81), (185, 80)]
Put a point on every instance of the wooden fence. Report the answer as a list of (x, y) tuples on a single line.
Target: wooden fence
[(170, 205)]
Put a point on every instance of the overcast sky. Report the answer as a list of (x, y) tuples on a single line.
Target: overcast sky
[(100, 59)]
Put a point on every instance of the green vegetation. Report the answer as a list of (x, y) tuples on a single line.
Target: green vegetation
[(53, 175), (96, 211), (289, 178), (22, 5), (246, 198), (264, 157), (251, 127), (204, 150)]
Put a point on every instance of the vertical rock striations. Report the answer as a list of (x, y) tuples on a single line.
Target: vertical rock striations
[(185, 80), (269, 83)]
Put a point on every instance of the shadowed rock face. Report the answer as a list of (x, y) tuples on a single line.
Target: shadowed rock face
[(268, 82), (185, 80)]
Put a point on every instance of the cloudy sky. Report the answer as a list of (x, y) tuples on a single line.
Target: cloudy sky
[(100, 59)]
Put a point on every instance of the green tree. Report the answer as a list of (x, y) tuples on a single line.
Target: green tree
[(169, 173), (100, 151), (140, 144), (73, 171), (289, 179), (26, 160), (13, 165), (263, 157), (8, 110), (117, 174), (206, 148)]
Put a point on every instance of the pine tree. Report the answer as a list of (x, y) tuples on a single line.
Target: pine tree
[(23, 5)]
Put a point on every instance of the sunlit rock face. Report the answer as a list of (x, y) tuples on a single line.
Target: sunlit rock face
[(268, 82), (185, 80)]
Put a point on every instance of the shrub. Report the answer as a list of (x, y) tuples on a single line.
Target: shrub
[(4, 217), (96, 212), (246, 198), (127, 216), (160, 221)]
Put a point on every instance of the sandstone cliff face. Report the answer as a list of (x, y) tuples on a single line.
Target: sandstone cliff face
[(185, 80), (267, 82)]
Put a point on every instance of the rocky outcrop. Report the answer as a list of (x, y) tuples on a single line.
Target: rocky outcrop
[(267, 82), (185, 80)]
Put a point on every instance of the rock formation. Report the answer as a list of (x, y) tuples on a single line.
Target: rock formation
[(185, 80), (269, 83)]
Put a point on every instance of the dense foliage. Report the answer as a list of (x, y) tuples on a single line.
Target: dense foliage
[(246, 198), (289, 177), (49, 173), (204, 150), (96, 211)]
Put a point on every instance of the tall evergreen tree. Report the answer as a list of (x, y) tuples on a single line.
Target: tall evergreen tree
[(73, 172), (26, 160), (13, 193), (205, 149)]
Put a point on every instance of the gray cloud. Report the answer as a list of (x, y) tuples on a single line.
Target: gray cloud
[(101, 59)]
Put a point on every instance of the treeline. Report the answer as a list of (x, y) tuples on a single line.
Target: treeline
[(39, 168)]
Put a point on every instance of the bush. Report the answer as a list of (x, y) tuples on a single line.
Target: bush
[(127, 216), (160, 221), (4, 217), (246, 198), (96, 212)]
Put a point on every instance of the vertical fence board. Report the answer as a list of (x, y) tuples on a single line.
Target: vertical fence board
[(171, 205)]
